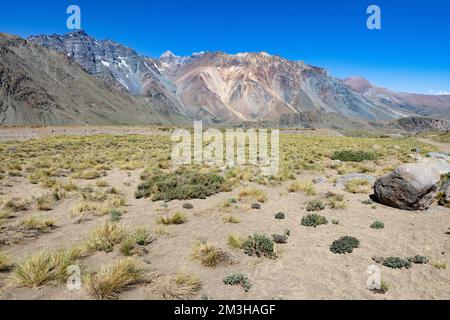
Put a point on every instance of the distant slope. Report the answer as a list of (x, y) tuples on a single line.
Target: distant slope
[(436, 106), (41, 86)]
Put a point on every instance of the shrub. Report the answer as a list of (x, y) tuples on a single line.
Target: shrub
[(44, 202), (344, 245), (180, 185), (238, 279), (377, 225), (353, 156), (396, 263), (306, 187), (177, 218), (313, 220), (280, 216), (253, 193), (418, 260), (116, 215), (207, 254), (106, 237), (259, 245), (111, 281), (315, 205), (16, 204)]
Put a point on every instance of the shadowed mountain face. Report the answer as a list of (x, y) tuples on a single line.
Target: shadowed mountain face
[(221, 88), (41, 86), (75, 78)]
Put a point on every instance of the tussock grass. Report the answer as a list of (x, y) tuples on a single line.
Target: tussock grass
[(44, 202), (307, 187), (177, 218), (358, 186), (5, 262), (231, 219), (110, 282), (45, 267), (106, 237), (16, 205), (207, 254), (37, 224), (236, 241), (181, 286), (253, 193)]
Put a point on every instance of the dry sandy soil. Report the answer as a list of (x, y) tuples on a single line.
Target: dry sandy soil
[(305, 267)]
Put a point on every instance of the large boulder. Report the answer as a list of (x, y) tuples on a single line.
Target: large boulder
[(409, 187)]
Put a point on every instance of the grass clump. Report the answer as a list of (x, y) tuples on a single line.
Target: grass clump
[(260, 246), (180, 185), (253, 193), (45, 267), (16, 205), (106, 237), (37, 224), (439, 265), (44, 202), (231, 219), (134, 243), (89, 175), (358, 186), (177, 218), (307, 187), (238, 279), (377, 225), (344, 245), (315, 205), (236, 241), (5, 264), (353, 156), (182, 286), (313, 220), (110, 282), (207, 254)]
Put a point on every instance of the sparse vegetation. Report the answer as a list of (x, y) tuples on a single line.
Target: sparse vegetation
[(182, 286), (353, 156), (396, 263), (377, 225), (207, 254), (315, 205), (106, 237), (236, 241), (253, 193), (177, 218), (5, 262), (307, 187), (358, 186)]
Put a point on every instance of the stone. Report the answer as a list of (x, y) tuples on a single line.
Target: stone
[(256, 206), (440, 165), (342, 181), (320, 180), (409, 187), (438, 155)]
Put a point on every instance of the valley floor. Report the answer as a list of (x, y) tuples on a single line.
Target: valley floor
[(304, 268)]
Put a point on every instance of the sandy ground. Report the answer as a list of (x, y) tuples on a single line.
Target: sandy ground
[(305, 268)]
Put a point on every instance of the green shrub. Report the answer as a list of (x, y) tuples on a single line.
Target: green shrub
[(353, 156), (313, 220), (238, 279), (418, 260), (116, 215), (396, 263), (259, 245), (344, 245), (315, 205), (180, 185), (377, 225), (280, 216)]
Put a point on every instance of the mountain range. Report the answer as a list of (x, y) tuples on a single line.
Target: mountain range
[(76, 79)]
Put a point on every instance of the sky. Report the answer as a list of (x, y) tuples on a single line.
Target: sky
[(411, 52)]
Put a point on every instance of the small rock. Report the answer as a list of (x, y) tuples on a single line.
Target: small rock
[(188, 206), (256, 206), (320, 180), (437, 155), (342, 181), (416, 150)]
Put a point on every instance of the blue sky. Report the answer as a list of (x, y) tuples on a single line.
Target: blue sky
[(410, 53)]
